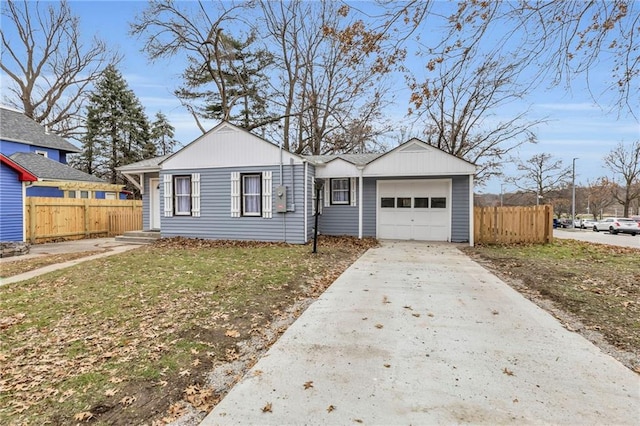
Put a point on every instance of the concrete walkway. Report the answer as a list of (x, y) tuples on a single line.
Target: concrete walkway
[(110, 245), (417, 333)]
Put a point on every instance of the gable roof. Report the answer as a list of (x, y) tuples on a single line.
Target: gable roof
[(227, 145), (17, 127), (356, 159), (46, 169), (23, 174)]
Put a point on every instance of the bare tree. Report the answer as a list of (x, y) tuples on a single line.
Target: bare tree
[(600, 195), (330, 101), (541, 174), (624, 161), (558, 40), (458, 111), (51, 71)]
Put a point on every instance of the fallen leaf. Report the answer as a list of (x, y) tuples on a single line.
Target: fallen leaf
[(508, 372), (330, 408), (408, 307), (416, 315), (127, 400), (191, 390), (110, 392), (308, 384), (184, 373), (81, 417), (379, 325), (267, 408), (385, 299), (387, 365), (232, 333)]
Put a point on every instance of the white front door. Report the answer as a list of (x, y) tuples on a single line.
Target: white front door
[(414, 210), (154, 203)]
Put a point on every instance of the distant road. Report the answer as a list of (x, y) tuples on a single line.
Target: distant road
[(622, 240)]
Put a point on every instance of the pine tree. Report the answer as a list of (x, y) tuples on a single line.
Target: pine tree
[(229, 81), (117, 128), (162, 134)]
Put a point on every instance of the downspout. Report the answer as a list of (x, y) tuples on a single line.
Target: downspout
[(360, 184), (471, 219), (306, 184)]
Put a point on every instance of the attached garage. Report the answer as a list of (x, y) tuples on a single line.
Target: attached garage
[(414, 209)]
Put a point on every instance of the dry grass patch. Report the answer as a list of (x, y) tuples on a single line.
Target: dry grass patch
[(129, 338)]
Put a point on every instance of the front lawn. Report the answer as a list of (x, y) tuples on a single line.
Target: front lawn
[(130, 338)]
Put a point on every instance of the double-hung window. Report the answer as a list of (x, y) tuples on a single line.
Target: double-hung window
[(182, 195), (340, 191), (251, 194)]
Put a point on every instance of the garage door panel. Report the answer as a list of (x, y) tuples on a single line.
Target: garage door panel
[(414, 223)]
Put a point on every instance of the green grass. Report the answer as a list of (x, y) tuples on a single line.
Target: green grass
[(153, 315)]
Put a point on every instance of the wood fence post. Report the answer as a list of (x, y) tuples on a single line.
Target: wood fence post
[(32, 220)]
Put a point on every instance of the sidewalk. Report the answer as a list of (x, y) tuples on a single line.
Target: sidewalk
[(39, 250), (418, 333)]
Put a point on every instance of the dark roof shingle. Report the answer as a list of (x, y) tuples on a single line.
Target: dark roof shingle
[(17, 127), (45, 168)]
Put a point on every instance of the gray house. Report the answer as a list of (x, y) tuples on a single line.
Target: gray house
[(231, 184)]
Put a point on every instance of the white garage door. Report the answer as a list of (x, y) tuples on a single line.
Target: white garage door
[(414, 210)]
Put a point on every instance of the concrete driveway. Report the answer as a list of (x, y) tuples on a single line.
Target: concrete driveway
[(417, 333)]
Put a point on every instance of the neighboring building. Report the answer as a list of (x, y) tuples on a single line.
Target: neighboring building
[(34, 163), (231, 184)]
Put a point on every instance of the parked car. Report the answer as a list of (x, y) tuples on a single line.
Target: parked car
[(618, 224), (564, 223), (587, 223)]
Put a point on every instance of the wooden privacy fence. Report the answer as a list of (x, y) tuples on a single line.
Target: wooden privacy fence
[(50, 219), (509, 225)]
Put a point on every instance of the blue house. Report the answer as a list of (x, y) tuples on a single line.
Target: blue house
[(34, 164), (232, 184)]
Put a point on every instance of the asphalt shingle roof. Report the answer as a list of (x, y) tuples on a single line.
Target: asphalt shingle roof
[(149, 163), (45, 168), (17, 127)]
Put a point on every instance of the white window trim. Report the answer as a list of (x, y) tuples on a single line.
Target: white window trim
[(352, 192), (186, 212), (259, 194)]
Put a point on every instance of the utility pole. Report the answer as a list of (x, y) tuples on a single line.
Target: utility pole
[(573, 195), (501, 193)]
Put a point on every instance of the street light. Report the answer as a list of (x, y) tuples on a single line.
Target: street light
[(573, 195)]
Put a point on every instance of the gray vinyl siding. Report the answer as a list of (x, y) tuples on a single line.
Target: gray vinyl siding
[(369, 207), (460, 209), (339, 219), (215, 221)]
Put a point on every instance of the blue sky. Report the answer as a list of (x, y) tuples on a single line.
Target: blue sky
[(576, 127)]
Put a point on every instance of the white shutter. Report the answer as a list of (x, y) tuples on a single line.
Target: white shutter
[(195, 194), (266, 195), (352, 185), (327, 192), (168, 196), (235, 194)]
